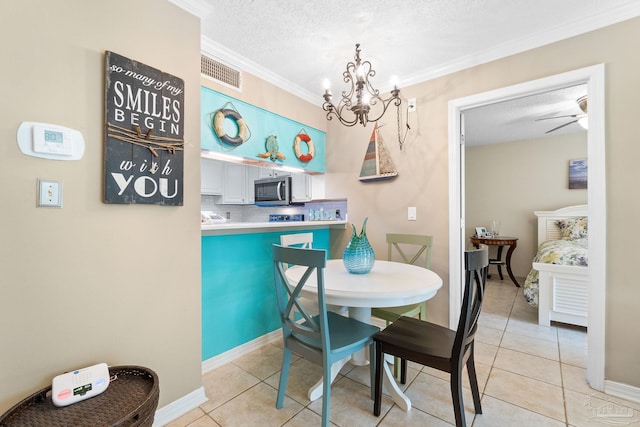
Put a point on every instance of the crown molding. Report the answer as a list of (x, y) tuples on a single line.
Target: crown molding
[(199, 8), (221, 53), (513, 47)]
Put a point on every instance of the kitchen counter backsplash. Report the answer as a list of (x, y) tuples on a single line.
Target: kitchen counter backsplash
[(319, 210)]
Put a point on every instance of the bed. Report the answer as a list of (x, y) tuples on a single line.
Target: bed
[(558, 282)]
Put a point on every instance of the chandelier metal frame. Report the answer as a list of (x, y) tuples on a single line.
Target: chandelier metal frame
[(367, 98)]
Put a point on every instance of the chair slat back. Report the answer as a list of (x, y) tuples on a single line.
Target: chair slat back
[(424, 244), (476, 264), (297, 319), (298, 240), (303, 240)]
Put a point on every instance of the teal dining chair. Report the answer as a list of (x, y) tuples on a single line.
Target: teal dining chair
[(300, 240), (324, 338), (297, 240), (305, 241)]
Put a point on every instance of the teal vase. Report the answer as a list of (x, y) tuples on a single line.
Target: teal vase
[(358, 256)]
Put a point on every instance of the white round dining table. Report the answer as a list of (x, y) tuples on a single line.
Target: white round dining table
[(388, 284)]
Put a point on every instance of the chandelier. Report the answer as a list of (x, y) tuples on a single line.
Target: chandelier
[(361, 99)]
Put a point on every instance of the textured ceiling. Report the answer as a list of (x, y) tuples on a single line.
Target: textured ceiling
[(298, 44), (518, 119)]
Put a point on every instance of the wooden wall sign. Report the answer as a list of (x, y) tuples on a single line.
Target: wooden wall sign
[(144, 145)]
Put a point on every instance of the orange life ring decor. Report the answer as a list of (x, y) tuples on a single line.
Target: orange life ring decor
[(218, 127), (311, 151)]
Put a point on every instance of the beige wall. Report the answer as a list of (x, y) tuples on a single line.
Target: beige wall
[(93, 282), (423, 171), (508, 181)]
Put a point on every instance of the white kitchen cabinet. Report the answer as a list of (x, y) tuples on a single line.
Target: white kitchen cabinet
[(238, 184), (235, 184), (264, 173), (317, 187), (253, 173), (300, 187), (271, 173), (211, 179)]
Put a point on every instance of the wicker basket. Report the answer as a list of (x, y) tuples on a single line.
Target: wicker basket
[(130, 400)]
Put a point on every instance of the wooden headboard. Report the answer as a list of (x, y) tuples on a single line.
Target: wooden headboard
[(547, 229)]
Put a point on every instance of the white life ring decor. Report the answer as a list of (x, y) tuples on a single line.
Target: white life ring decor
[(311, 151), (218, 127)]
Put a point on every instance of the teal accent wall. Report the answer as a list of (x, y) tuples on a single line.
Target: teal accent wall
[(261, 123), (238, 297)]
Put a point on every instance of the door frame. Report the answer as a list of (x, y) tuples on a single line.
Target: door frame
[(594, 77)]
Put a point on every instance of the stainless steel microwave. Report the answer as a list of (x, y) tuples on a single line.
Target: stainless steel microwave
[(273, 191)]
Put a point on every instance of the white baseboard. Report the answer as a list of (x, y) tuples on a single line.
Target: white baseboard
[(241, 350), (177, 408), (623, 391)]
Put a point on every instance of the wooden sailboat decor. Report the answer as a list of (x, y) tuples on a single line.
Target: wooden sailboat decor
[(377, 164)]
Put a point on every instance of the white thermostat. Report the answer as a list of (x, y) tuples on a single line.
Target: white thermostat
[(81, 384), (50, 141)]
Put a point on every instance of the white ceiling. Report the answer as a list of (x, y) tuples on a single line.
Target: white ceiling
[(519, 119), (298, 44)]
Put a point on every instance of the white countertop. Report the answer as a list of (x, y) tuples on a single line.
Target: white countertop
[(258, 227)]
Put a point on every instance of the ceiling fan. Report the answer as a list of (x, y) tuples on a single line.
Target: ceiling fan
[(581, 119)]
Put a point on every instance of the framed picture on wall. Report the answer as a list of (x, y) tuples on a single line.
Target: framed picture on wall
[(577, 174)]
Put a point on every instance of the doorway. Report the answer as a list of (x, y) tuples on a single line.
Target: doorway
[(593, 77)]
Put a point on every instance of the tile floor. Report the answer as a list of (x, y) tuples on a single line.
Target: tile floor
[(528, 376)]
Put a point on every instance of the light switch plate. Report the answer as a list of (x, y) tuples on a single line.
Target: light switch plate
[(49, 193), (411, 213)]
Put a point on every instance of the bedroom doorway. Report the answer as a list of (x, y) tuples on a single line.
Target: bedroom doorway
[(593, 77)]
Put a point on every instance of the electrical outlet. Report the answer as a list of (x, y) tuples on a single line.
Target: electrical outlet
[(411, 105)]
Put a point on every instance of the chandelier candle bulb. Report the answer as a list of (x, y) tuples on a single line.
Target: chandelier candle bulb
[(326, 85), (394, 82)]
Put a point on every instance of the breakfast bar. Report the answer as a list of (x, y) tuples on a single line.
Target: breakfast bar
[(237, 279)]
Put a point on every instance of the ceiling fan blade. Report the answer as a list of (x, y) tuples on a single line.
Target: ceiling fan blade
[(561, 126), (561, 117)]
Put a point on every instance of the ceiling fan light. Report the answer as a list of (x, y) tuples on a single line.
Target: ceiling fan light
[(582, 103), (584, 122)]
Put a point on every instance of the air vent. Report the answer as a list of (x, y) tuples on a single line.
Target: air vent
[(220, 72)]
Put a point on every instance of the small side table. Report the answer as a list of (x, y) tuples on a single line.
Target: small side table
[(500, 242)]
